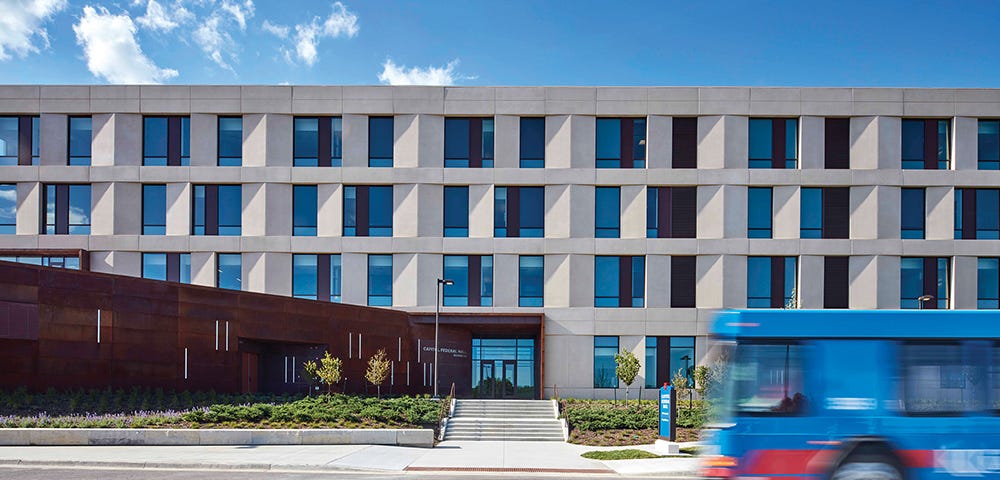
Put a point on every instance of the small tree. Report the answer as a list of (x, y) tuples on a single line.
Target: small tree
[(327, 371), (626, 368), (702, 381), (680, 383), (378, 370)]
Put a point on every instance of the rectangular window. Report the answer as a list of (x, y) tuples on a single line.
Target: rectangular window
[(773, 142), (759, 212), (229, 271), (771, 282), (217, 210), (913, 213), (368, 211), (380, 280), (66, 209), (605, 349), (768, 379), (926, 144), (685, 142), (977, 214), (468, 142), (317, 142), (80, 139), (456, 211), (621, 143), (230, 141), (988, 281), (154, 209), (619, 281), (166, 141), (989, 144), (532, 142), (651, 356), (380, 141), (682, 281), (70, 263), (824, 212), (19, 140), (939, 380), (316, 277), (531, 281), (519, 212), (304, 208), (671, 212), (926, 278), (682, 360), (607, 212), (8, 208), (837, 143), (836, 282), (171, 267), (473, 280), (667, 357)]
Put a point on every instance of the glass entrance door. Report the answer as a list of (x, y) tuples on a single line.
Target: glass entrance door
[(503, 368)]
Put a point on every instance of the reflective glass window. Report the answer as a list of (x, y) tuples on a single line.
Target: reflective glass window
[(609, 136), (488, 143), (913, 143), (380, 211), (638, 142), (486, 281), (380, 141), (938, 379), (380, 280), (456, 211), (768, 379), (532, 212), (230, 209), (913, 216), (230, 141), (650, 366), (988, 283), (198, 205), (987, 214), (456, 269), (8, 208), (336, 141), (811, 213), (500, 212), (605, 349), (185, 267), (8, 140), (759, 212), (229, 271), (305, 142), (80, 139), (606, 281), (531, 280), (760, 142), (304, 277), (989, 144), (304, 206), (456, 142), (607, 218), (336, 278), (79, 209), (532, 142), (682, 360), (154, 209), (154, 141), (154, 266)]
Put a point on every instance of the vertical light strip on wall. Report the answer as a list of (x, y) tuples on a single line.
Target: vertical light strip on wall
[(418, 350), (185, 363), (98, 325), (399, 347), (216, 335), (293, 368), (360, 357), (350, 345), (407, 373), (392, 373), (227, 335), (286, 368)]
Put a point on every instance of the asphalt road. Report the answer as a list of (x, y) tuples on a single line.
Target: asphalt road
[(38, 473)]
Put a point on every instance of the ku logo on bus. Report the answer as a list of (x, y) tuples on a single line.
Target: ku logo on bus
[(967, 462)]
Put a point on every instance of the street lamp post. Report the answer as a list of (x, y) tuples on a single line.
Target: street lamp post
[(923, 298), (437, 315)]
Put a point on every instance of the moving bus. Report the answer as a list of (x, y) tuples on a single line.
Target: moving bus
[(859, 394)]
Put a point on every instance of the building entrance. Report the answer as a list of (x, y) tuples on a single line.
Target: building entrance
[(503, 368)]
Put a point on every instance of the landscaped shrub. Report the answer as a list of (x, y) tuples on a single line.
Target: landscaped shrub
[(596, 415)]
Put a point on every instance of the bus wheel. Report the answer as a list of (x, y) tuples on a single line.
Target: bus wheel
[(867, 468)]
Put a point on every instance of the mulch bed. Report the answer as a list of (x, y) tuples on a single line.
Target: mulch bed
[(610, 438)]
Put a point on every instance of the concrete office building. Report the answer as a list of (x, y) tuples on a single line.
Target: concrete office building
[(623, 216)]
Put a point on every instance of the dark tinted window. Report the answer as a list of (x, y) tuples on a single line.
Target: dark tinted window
[(811, 213), (304, 207), (759, 212), (989, 144), (532, 212), (80, 139), (456, 142), (154, 141), (605, 349), (305, 143), (230, 141), (913, 214), (607, 219), (456, 211), (380, 211), (682, 282), (154, 209), (531, 281), (532, 142), (380, 280), (380, 140), (230, 209), (988, 284), (609, 136)]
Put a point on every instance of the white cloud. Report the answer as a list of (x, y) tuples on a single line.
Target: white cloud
[(341, 23), (214, 38), (111, 50), (8, 196), (239, 12), (158, 18), (21, 29), (393, 74), (280, 31)]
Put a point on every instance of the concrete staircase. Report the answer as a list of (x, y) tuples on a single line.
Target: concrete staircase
[(504, 420)]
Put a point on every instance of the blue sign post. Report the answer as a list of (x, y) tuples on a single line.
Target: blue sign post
[(668, 413)]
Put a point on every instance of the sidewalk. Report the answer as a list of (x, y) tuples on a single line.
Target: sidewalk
[(451, 456)]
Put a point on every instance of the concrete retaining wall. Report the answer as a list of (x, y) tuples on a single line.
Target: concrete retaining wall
[(147, 436)]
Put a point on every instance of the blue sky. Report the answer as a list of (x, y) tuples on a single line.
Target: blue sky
[(542, 42)]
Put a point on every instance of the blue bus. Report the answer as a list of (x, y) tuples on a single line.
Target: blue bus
[(859, 394)]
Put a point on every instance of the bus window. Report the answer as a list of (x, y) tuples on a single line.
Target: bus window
[(767, 379), (994, 378), (937, 381)]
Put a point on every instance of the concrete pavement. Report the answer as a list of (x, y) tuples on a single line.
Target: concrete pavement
[(449, 456)]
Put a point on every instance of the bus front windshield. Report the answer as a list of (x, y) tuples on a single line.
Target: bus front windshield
[(767, 379)]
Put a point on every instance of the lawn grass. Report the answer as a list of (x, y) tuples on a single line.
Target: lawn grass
[(624, 454)]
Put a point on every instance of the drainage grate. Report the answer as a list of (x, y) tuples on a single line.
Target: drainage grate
[(508, 470)]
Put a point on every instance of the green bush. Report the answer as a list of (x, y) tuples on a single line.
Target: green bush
[(596, 415)]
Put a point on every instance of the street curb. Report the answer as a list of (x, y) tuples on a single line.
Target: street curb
[(412, 437)]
